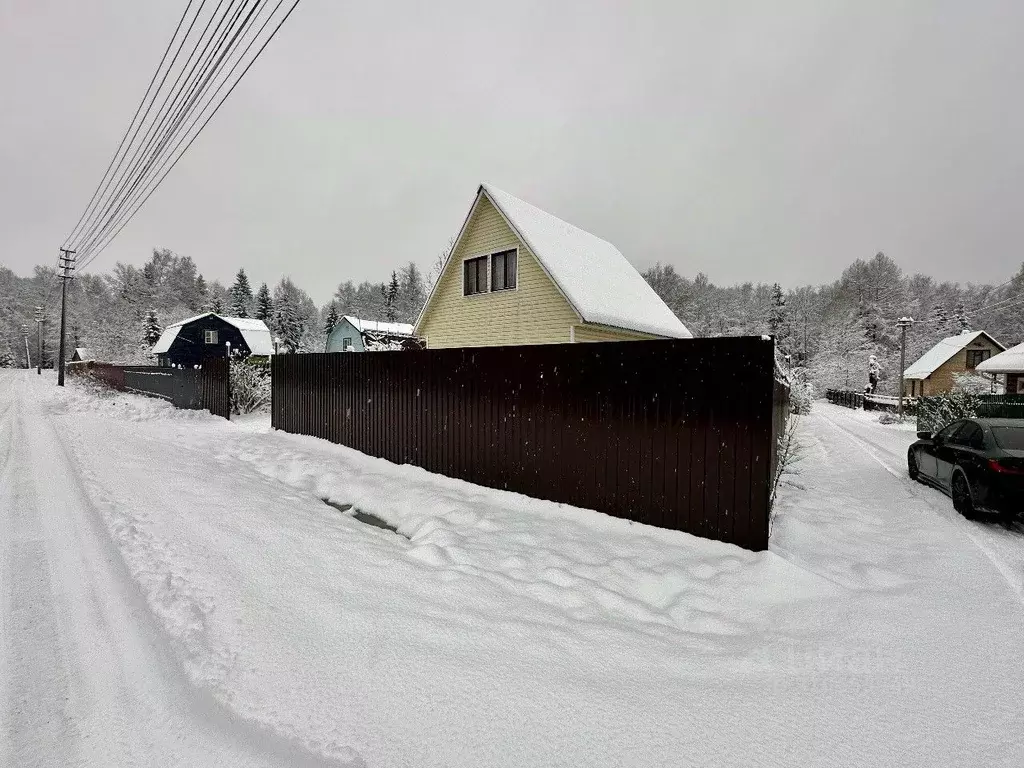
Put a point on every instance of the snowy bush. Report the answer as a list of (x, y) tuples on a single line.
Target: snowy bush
[(250, 386), (888, 418), (936, 412), (973, 383)]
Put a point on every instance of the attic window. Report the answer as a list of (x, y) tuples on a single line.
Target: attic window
[(474, 276), (977, 356), (210, 337), (503, 271)]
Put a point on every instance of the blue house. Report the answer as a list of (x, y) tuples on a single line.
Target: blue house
[(353, 334)]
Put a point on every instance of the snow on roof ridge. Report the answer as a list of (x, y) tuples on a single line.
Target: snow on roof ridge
[(598, 281), (251, 323), (1007, 361), (939, 354), (380, 326)]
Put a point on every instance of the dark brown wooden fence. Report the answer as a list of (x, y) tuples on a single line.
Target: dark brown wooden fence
[(194, 388), (677, 434)]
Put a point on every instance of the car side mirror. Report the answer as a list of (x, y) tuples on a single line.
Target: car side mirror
[(925, 435)]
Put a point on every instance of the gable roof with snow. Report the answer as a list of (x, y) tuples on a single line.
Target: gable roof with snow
[(377, 326), (938, 355), (1009, 361), (255, 332), (598, 282)]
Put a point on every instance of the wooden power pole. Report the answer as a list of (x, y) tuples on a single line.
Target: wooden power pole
[(39, 340), (28, 356), (903, 323), (65, 271)]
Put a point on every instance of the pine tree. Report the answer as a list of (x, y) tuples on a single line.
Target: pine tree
[(241, 295), (289, 322), (215, 304), (940, 320), (264, 304), (960, 318), (6, 358), (151, 329), (332, 319), (389, 292), (200, 294), (777, 312)]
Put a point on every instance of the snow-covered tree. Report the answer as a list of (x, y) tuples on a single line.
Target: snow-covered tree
[(389, 292), (215, 304), (295, 318), (6, 356), (264, 305), (778, 319), (412, 293), (151, 329), (201, 294), (960, 318), (331, 319), (241, 295)]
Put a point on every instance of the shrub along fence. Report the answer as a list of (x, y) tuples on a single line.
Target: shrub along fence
[(677, 434), (939, 410), (192, 388)]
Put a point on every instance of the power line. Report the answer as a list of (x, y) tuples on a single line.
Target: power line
[(105, 179), (184, 110), (172, 94), (163, 169), (140, 165)]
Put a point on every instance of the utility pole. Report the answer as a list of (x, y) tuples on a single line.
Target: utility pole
[(65, 271), (28, 357), (903, 323), (39, 341)]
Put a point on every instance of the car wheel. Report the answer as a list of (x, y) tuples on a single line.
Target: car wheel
[(963, 501), (912, 468)]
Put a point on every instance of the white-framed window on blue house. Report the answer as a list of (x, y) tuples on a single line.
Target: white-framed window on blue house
[(210, 337)]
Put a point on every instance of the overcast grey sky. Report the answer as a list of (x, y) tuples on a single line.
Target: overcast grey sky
[(753, 141)]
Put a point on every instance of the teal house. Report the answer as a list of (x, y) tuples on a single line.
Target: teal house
[(353, 334)]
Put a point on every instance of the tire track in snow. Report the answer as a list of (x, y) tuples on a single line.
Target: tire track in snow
[(125, 695), (37, 725), (1013, 580)]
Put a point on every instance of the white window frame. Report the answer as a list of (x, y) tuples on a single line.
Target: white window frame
[(488, 254), (206, 336)]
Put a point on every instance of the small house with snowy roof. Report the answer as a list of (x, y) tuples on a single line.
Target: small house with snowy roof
[(518, 275), (935, 371), (353, 334), (188, 343), (1009, 364)]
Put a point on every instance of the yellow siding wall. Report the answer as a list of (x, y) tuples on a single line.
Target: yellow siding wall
[(534, 313), (944, 377), (599, 333)]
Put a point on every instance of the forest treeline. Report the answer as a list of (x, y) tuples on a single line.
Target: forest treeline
[(828, 330)]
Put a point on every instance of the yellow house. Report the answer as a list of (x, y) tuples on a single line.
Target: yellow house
[(935, 371), (518, 275)]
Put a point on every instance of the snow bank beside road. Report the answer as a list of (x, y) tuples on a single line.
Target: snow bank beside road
[(508, 631)]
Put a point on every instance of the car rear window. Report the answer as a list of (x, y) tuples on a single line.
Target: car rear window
[(1009, 438)]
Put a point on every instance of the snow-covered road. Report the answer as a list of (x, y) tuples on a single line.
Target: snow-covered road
[(175, 592), (86, 673)]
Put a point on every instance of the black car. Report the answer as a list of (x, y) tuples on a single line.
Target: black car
[(979, 462)]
